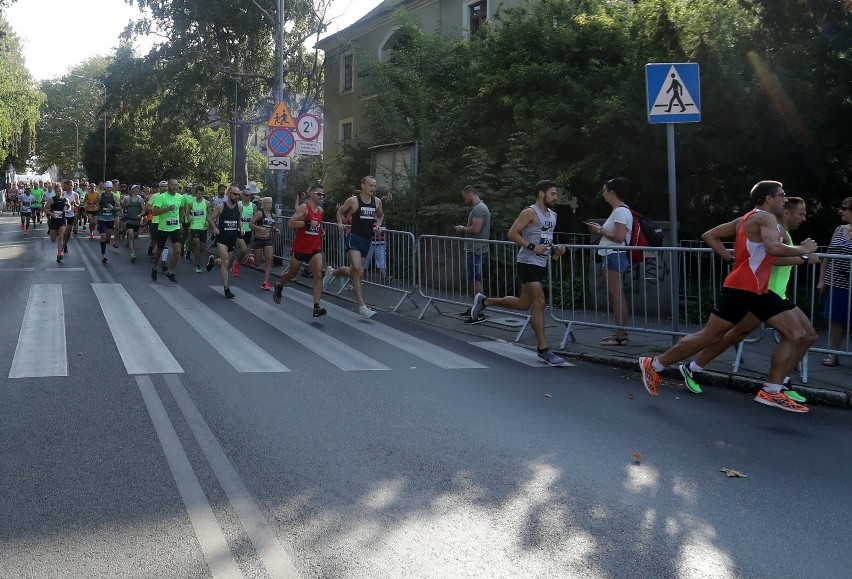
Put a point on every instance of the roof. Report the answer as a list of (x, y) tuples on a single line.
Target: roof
[(384, 8)]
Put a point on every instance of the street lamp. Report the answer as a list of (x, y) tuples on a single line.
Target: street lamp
[(105, 117)]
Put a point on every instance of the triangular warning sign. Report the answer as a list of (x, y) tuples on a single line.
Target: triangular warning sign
[(281, 117), (674, 97)]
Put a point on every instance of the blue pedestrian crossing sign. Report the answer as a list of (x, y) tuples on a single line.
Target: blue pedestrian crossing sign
[(674, 92)]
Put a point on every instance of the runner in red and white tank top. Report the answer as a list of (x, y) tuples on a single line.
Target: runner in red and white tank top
[(307, 248), (753, 264)]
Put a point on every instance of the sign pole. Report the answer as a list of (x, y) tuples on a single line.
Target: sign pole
[(675, 278), (279, 66)]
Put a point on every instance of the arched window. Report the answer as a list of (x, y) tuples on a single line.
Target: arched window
[(395, 40)]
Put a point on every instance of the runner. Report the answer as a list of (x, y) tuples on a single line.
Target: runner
[(56, 224), (759, 243), (225, 222), (73, 199), (93, 207), (107, 209), (133, 206), (154, 225), (168, 206), (792, 217), (365, 211), (533, 232), (12, 198), (188, 197), (26, 210), (197, 210), (119, 218), (247, 210), (307, 247), (38, 202), (263, 226)]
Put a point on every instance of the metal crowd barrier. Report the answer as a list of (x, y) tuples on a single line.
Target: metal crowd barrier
[(390, 262), (577, 287)]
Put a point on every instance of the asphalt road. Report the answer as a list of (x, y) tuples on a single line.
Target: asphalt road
[(257, 441)]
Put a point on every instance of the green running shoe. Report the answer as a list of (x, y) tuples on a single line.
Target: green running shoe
[(689, 379), (794, 396)]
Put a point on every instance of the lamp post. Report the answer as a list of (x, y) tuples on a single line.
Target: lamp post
[(105, 118)]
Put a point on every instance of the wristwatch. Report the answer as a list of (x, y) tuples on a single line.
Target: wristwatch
[(531, 246), (805, 259)]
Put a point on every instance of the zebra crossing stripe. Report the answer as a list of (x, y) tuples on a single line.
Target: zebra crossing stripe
[(219, 334), (323, 345), (140, 347), (513, 352), (431, 353), (41, 349)]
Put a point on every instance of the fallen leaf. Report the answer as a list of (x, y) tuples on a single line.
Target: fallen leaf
[(637, 455), (733, 473), (677, 397), (630, 395), (547, 395), (80, 354)]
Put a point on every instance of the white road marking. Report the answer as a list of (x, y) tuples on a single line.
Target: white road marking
[(275, 558), (41, 349), (220, 334), (513, 352), (441, 357), (333, 350), (141, 349), (214, 546)]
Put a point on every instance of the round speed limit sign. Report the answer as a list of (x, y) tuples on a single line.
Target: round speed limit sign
[(308, 126)]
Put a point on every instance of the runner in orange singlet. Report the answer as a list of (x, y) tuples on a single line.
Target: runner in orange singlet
[(759, 245)]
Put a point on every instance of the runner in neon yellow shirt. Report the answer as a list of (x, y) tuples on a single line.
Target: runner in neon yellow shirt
[(168, 207)]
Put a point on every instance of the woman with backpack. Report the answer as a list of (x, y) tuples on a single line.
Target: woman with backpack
[(615, 261)]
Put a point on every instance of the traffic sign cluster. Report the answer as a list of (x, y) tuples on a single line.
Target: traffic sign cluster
[(288, 136)]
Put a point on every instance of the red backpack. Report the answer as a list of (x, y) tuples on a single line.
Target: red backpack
[(644, 233)]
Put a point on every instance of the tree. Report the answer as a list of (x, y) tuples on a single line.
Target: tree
[(218, 55), (19, 100)]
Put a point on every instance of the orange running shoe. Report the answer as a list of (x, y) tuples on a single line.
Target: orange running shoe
[(650, 377), (780, 400), (236, 269)]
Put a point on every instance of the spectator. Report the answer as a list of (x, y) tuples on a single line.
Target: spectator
[(834, 280), (614, 234), (478, 228), (378, 248)]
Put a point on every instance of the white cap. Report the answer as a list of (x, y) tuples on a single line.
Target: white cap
[(164, 183), (108, 184), (252, 186)]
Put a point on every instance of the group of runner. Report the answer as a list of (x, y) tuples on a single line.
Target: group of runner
[(238, 224)]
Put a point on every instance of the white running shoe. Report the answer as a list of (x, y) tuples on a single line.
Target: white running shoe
[(366, 312), (326, 279)]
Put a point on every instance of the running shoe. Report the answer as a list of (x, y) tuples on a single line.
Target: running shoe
[(276, 295), (235, 271), (548, 357), (326, 279), (265, 286), (65, 249), (104, 259), (171, 277), (780, 400), (318, 311), (650, 377), (471, 322), (198, 269), (478, 306), (164, 267), (366, 312), (132, 258), (153, 274), (58, 257), (689, 379), (211, 261), (794, 396), (228, 293)]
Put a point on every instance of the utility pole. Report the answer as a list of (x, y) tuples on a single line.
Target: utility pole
[(279, 65)]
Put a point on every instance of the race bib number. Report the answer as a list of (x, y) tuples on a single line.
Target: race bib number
[(171, 222), (230, 225), (106, 211), (198, 213)]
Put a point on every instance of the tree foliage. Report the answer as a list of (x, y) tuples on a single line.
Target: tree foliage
[(20, 100), (556, 89)]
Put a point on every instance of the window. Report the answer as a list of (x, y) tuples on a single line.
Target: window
[(346, 131), (347, 73), (477, 14)]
